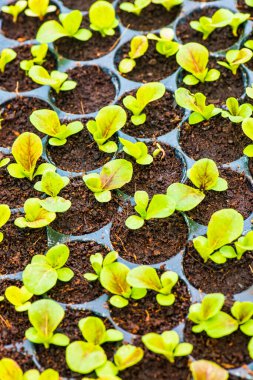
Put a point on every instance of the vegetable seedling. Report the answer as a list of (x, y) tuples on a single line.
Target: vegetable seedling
[(10, 370), (5, 214), (102, 18), (35, 215), (6, 56), (243, 312), (18, 297), (39, 8), (15, 9), (83, 357), (98, 262), (69, 26), (114, 175), (208, 317), (235, 112), (56, 79), (165, 44), (108, 121), (160, 206), (247, 127), (45, 316), (168, 4), (237, 20), (207, 370), (138, 47), (235, 58), (136, 7), (167, 344), (138, 150), (193, 57), (39, 53), (45, 270), (94, 331), (197, 104), (146, 94)]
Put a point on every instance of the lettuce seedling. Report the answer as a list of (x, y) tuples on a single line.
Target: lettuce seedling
[(208, 317), (69, 26), (235, 112), (138, 47), (167, 344), (113, 277), (145, 277), (39, 53), (168, 4), (6, 56), (45, 316), (56, 79), (108, 121), (160, 206), (247, 127), (237, 20), (98, 262), (146, 94), (44, 271), (94, 331), (165, 45), (193, 58), (5, 214), (102, 18), (136, 7), (207, 370), (10, 370), (51, 184), (35, 215), (39, 8), (197, 104), (18, 297), (27, 149), (15, 9), (235, 58), (138, 150), (243, 313), (113, 175)]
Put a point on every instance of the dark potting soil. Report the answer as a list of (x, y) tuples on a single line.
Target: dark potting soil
[(238, 196), (152, 17), (232, 277), (151, 67), (157, 241), (86, 214), (156, 177), (146, 315), (20, 245), (15, 114), (244, 8), (79, 290), (18, 354), (220, 39), (15, 79), (94, 90), (162, 116), (82, 5), (26, 27), (79, 154), (200, 140)]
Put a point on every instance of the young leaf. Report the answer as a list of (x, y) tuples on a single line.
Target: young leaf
[(18, 297), (82, 357), (242, 311), (15, 9), (39, 53), (165, 45), (98, 262), (243, 244), (237, 113), (135, 7), (138, 47), (168, 4), (94, 331), (247, 127), (10, 370), (207, 370), (56, 79), (48, 374), (127, 356), (6, 56), (235, 58), (5, 214), (39, 8), (102, 18), (185, 197), (35, 215), (138, 150), (237, 20)]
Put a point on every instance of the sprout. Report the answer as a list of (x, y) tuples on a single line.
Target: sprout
[(39, 8), (135, 7), (247, 127), (165, 45), (56, 79), (6, 56), (236, 113), (197, 104), (235, 58), (146, 94), (168, 4), (19, 297), (44, 271), (167, 344), (10, 370), (114, 175), (193, 58), (207, 370), (160, 206), (5, 214), (39, 53), (108, 121), (138, 47), (138, 150), (243, 312), (95, 332), (98, 262), (102, 18), (45, 316), (15, 9), (35, 215), (237, 20), (69, 26), (208, 317)]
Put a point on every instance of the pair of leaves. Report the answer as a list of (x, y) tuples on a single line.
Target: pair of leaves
[(19, 297), (235, 112), (10, 370), (39, 8), (102, 18), (138, 150), (35, 215), (138, 47), (15, 9), (235, 58), (56, 79), (98, 262), (39, 53), (164, 45)]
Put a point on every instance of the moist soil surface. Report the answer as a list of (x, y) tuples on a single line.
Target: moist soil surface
[(151, 67), (82, 5), (20, 245), (86, 214), (80, 154), (232, 277), (94, 90), (153, 17), (157, 241), (15, 114), (18, 354), (220, 39), (15, 79), (200, 140), (156, 177), (238, 196), (79, 290), (162, 116), (146, 315)]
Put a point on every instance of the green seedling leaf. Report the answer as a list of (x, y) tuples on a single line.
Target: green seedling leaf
[(243, 244), (18, 297), (185, 197), (39, 8), (164, 45), (168, 4), (135, 7), (113, 277), (5, 214), (207, 370), (35, 215), (242, 312), (82, 357), (127, 356), (48, 374), (237, 20), (138, 150), (94, 331), (15, 9), (56, 79), (39, 53), (138, 47), (10, 370), (237, 113), (102, 18), (235, 58), (6, 56), (247, 127), (98, 262)]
